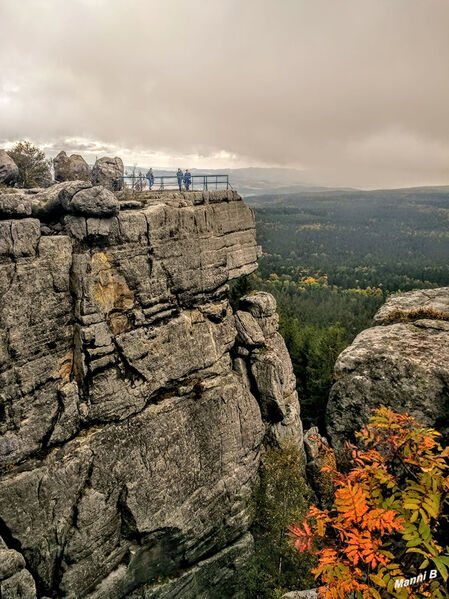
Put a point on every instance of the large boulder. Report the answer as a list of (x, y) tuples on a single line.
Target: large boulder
[(404, 364), (14, 205), (109, 173), (92, 201), (73, 168), (9, 171), (72, 197)]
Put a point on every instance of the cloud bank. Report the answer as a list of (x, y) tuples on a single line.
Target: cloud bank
[(353, 92)]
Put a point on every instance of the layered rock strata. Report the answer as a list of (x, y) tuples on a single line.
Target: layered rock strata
[(403, 362), (134, 402)]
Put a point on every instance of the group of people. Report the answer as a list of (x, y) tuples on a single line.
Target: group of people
[(185, 178)]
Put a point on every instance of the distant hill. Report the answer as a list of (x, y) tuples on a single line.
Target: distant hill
[(410, 194), (398, 238)]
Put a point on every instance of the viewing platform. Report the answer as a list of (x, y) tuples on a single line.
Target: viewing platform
[(170, 182)]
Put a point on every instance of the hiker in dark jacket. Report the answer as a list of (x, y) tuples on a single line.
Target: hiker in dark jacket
[(150, 178), (187, 179), (179, 175)]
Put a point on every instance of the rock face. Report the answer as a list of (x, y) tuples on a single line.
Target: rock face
[(9, 171), (263, 360), (73, 168), (134, 402), (402, 363), (108, 172)]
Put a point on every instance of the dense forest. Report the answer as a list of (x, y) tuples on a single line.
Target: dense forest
[(331, 258)]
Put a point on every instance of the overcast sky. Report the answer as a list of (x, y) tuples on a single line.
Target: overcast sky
[(353, 92)]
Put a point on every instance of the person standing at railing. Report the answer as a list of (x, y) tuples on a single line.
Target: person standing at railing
[(150, 178), (179, 176), (187, 179)]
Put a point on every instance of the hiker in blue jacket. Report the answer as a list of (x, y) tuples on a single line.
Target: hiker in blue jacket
[(179, 175), (150, 178), (187, 179)]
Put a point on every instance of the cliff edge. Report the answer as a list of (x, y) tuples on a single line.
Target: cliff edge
[(134, 402)]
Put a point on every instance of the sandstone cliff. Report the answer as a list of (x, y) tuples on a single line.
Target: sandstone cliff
[(403, 362), (134, 402)]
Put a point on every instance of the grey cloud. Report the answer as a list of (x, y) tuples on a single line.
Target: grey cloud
[(355, 91)]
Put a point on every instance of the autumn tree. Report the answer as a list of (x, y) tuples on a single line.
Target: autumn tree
[(389, 519), (34, 168)]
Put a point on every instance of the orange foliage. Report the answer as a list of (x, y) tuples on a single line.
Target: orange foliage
[(389, 515)]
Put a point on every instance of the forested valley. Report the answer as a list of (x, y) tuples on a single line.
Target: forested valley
[(331, 258)]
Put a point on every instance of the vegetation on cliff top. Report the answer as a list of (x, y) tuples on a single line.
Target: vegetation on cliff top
[(34, 168)]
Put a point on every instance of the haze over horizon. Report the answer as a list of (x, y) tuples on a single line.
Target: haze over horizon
[(353, 93)]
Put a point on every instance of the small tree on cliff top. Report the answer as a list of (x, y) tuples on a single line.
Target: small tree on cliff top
[(34, 169), (389, 519)]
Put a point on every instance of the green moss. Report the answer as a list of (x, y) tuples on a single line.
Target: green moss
[(398, 315)]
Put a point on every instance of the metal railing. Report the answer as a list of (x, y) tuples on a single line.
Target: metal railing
[(161, 182)]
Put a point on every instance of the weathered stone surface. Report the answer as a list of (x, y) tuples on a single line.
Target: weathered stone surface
[(215, 576), (108, 172), (403, 365), (19, 586), (309, 594), (266, 366), (422, 303), (14, 205), (9, 171), (15, 581), (157, 482), (93, 201), (249, 332), (10, 562), (129, 443), (262, 306), (73, 168)]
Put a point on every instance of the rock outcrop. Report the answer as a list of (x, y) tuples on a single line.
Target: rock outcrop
[(108, 172), (403, 363), (263, 361), (9, 171), (319, 455), (70, 168), (134, 402)]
